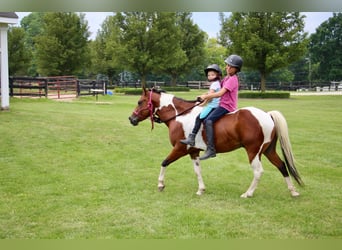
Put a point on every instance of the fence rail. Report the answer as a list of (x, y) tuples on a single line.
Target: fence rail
[(28, 86), (66, 86), (56, 87)]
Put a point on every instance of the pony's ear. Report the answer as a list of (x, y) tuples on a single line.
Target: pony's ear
[(144, 90)]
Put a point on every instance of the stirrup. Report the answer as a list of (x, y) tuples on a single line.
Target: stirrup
[(189, 141), (208, 154)]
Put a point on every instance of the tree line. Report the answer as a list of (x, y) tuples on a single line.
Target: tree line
[(170, 47)]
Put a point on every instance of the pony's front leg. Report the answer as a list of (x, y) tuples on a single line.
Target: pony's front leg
[(257, 171), (198, 171), (161, 178)]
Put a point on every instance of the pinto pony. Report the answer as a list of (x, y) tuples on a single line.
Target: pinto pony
[(251, 128)]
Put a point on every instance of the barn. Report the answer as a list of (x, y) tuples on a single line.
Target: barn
[(6, 18)]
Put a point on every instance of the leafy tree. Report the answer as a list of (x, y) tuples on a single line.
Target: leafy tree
[(18, 53), (105, 58), (266, 41), (326, 48), (62, 47), (192, 44), (215, 53), (282, 75), (33, 26), (149, 42)]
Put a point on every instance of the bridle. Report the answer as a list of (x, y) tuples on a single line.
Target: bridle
[(154, 117), (149, 108)]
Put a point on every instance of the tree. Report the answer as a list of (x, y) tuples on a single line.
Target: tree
[(215, 53), (18, 53), (149, 42), (62, 47), (326, 48), (266, 41), (192, 41), (33, 26), (105, 59)]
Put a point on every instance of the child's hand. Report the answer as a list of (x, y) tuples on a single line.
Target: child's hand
[(199, 99)]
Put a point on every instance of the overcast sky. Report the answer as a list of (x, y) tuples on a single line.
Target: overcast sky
[(207, 21)]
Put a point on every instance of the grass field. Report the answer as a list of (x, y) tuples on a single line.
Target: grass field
[(79, 170)]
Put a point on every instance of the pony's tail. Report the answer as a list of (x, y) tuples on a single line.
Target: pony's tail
[(283, 136)]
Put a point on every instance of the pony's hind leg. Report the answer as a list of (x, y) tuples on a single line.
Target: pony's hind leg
[(274, 158), (257, 171), (198, 172)]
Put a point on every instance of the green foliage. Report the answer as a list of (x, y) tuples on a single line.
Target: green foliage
[(192, 44), (176, 89), (325, 48), (264, 95), (146, 44), (62, 47), (129, 91), (19, 53), (138, 91), (33, 26), (104, 49), (267, 41)]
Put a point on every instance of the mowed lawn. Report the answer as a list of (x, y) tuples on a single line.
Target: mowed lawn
[(79, 170)]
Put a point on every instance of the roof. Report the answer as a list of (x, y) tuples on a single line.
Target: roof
[(8, 17), (8, 14)]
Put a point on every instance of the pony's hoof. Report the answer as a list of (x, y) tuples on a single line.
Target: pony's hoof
[(200, 192), (246, 195), (294, 194), (161, 188)]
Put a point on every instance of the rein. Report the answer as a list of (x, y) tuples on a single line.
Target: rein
[(156, 118)]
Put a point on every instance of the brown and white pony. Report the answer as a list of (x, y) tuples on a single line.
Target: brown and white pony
[(251, 128)]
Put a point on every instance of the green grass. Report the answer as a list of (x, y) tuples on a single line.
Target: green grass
[(79, 170)]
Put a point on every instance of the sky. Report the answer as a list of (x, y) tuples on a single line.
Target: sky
[(207, 21)]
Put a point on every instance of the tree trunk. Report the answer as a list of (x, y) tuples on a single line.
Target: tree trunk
[(263, 82), (174, 80), (143, 81)]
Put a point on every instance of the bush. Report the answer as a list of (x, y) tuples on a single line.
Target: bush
[(132, 91), (176, 89), (263, 95), (138, 91)]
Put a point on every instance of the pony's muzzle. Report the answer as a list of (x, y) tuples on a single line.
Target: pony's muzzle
[(134, 120)]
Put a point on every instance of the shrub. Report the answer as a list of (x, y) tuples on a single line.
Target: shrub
[(263, 95), (137, 91)]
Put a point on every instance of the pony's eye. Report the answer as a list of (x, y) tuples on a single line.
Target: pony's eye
[(140, 102)]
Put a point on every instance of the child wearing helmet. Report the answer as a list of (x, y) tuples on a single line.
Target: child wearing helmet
[(213, 74), (228, 101)]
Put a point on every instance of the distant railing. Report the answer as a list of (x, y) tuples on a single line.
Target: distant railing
[(56, 87), (28, 86)]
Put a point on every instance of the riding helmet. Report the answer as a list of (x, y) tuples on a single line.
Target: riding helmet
[(213, 67), (234, 61)]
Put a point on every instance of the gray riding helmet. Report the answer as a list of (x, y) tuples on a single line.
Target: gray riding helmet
[(234, 61), (214, 67)]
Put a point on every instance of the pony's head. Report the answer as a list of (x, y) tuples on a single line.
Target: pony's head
[(146, 107)]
